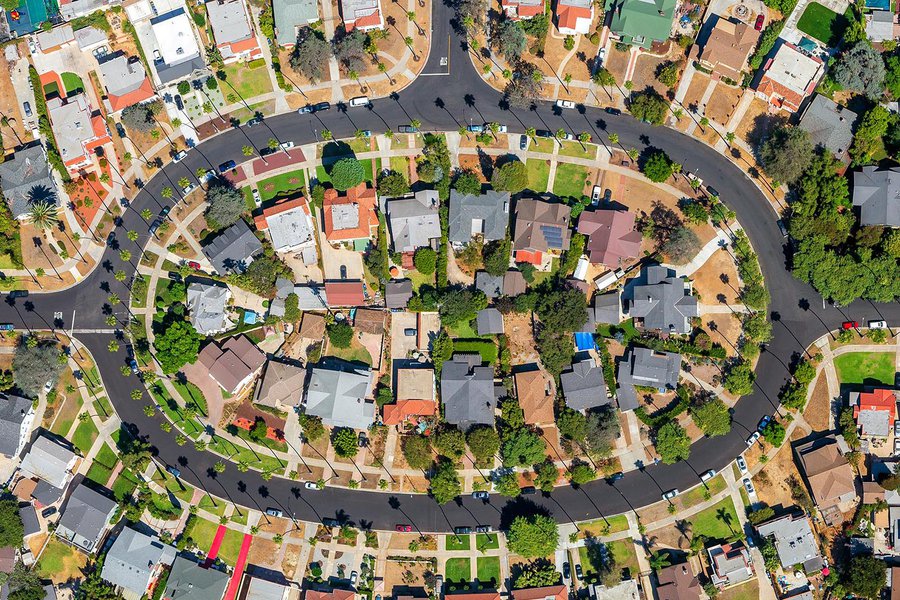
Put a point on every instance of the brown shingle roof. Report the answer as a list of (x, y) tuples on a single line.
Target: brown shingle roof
[(281, 384), (312, 327), (558, 592), (369, 321), (514, 283), (536, 403), (613, 238), (677, 582), (728, 46), (232, 362), (827, 471), (540, 225)]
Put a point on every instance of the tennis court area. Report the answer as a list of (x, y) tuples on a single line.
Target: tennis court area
[(31, 13)]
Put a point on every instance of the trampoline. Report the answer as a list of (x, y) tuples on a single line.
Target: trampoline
[(31, 13)]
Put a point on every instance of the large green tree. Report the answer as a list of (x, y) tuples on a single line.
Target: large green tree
[(225, 204), (483, 442), (10, 522), (34, 366), (866, 576), (712, 416), (511, 177), (532, 536), (445, 484), (649, 106), (347, 173), (672, 443), (176, 346), (787, 154)]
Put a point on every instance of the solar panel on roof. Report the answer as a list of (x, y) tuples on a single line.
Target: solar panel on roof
[(553, 235)]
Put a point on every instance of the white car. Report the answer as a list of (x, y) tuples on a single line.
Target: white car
[(353, 577), (256, 198), (670, 494), (742, 464), (595, 195), (32, 47), (753, 438), (708, 475), (287, 145), (48, 386), (601, 56), (878, 325), (565, 104), (179, 156), (748, 485), (207, 176), (188, 189), (311, 485)]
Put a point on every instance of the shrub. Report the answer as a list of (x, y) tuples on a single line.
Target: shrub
[(425, 260), (347, 173), (340, 334)]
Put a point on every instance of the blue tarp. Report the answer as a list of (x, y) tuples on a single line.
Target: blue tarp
[(584, 341)]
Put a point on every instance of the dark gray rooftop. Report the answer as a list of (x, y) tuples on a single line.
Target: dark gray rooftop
[(877, 193), (25, 176), (397, 293), (583, 386), (84, 518), (190, 581), (829, 125), (662, 301), (491, 285), (233, 249), (489, 322), (13, 410), (486, 214), (467, 392), (647, 368)]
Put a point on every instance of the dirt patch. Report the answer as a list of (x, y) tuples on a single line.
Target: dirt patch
[(722, 103), (725, 330), (644, 74), (482, 165), (617, 63), (694, 94), (709, 285), (263, 552), (772, 482), (290, 560), (274, 525), (405, 574), (818, 410), (757, 123), (522, 347), (14, 132)]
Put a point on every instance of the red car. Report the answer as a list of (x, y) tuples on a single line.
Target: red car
[(759, 22), (194, 265), (850, 324), (403, 528)]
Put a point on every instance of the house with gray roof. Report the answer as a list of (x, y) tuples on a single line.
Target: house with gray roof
[(829, 125), (291, 15), (311, 297), (134, 561), (283, 288), (794, 541), (467, 391), (16, 418), (584, 386), (233, 249), (30, 523), (49, 460), (281, 385), (880, 25), (486, 215), (414, 222), (646, 368), (85, 518), (397, 293), (207, 306), (255, 588), (489, 322), (877, 194), (731, 564), (126, 81), (339, 395), (188, 580), (90, 37), (24, 177), (491, 285), (660, 300)]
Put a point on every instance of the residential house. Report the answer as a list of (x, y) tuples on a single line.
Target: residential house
[(361, 14), (233, 249), (397, 293), (233, 30), (661, 301), (540, 227), (290, 16), (678, 582), (312, 327), (340, 396), (85, 518), (415, 397), (731, 564), (514, 283), (53, 39), (727, 47), (522, 10), (875, 412), (829, 125), (489, 322), (794, 541), (330, 594), (233, 364), (550, 592), (485, 215), (208, 307), (177, 52), (281, 385), (16, 418), (189, 580), (467, 391), (574, 17), (584, 386), (533, 393), (789, 77), (350, 217), (70, 9), (78, 131), (877, 194), (290, 227), (311, 297), (30, 523), (478, 596), (880, 25), (89, 38), (368, 320), (626, 589), (830, 477), (490, 285), (24, 178), (344, 293), (612, 239), (414, 222), (49, 461), (254, 588), (605, 309), (641, 22), (125, 80), (134, 562), (646, 368)]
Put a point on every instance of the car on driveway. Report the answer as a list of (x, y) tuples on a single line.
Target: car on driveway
[(26, 106), (850, 325), (353, 577), (595, 195), (120, 129), (759, 22), (670, 494), (403, 528), (742, 464), (523, 142), (567, 570), (256, 197), (754, 437), (748, 485), (193, 264), (565, 104), (579, 573)]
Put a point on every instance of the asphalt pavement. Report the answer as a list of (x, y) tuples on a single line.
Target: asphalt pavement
[(443, 102)]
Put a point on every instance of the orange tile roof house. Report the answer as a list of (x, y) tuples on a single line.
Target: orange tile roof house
[(522, 9), (329, 595), (232, 30), (875, 412), (533, 392), (727, 48), (344, 293), (361, 14), (79, 132), (830, 477), (233, 364), (612, 238), (550, 592), (350, 216), (125, 80), (574, 16), (789, 77), (415, 390)]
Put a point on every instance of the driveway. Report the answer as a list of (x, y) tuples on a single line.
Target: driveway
[(402, 345), (334, 258)]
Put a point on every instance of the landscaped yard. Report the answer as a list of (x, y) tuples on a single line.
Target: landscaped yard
[(822, 23), (124, 485), (323, 177), (103, 465), (458, 570), (488, 568), (600, 528), (486, 348), (66, 414), (247, 82), (538, 174), (60, 563), (576, 150), (569, 180), (866, 367), (190, 393), (457, 542), (84, 436), (624, 555), (487, 541), (356, 352), (746, 591), (72, 83), (542, 144), (286, 184), (717, 522)]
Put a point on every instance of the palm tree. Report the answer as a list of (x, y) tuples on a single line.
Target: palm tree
[(219, 467), (113, 299), (146, 214), (632, 153), (120, 276), (111, 321), (166, 192), (416, 123), (113, 346), (411, 15), (659, 560), (326, 134), (614, 138), (149, 410), (359, 134), (273, 144), (382, 68), (124, 255), (200, 172), (729, 137), (409, 44), (567, 79), (247, 150), (44, 213), (531, 132), (183, 182)]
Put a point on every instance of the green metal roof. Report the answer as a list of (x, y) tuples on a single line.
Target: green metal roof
[(641, 22)]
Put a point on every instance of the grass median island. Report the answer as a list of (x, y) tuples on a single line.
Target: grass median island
[(85, 435), (488, 569), (457, 542), (872, 368), (538, 174)]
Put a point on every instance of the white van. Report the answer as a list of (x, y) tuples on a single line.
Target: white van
[(359, 101)]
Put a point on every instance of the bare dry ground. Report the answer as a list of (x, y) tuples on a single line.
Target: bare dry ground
[(708, 283)]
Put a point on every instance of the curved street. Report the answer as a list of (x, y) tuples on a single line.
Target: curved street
[(443, 102)]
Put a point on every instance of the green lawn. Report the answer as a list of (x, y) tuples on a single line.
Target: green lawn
[(463, 330), (103, 407), (488, 568), (576, 150), (745, 591), (823, 24), (717, 522), (697, 494), (124, 485), (248, 83), (323, 177), (103, 465), (487, 541), (624, 555), (600, 528), (344, 147), (191, 394), (866, 367), (72, 83), (284, 185), (84, 436), (401, 165), (211, 505), (356, 352), (538, 174), (59, 562), (569, 180), (459, 570), (66, 415), (457, 542), (235, 453), (418, 280), (203, 532), (486, 348), (542, 144)]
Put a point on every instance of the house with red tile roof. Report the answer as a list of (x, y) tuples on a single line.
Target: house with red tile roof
[(350, 216), (232, 30), (875, 412), (78, 130), (361, 14), (521, 10), (612, 238), (415, 397), (789, 77), (289, 224), (574, 17), (345, 293), (550, 592), (329, 595), (125, 80)]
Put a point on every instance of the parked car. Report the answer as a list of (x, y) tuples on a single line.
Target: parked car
[(18, 294), (708, 475), (579, 573), (528, 490), (601, 56), (544, 133), (565, 104), (523, 142), (670, 494), (484, 529), (179, 103), (311, 485), (329, 522), (274, 512), (782, 228), (154, 226), (257, 199), (7, 327), (164, 212), (403, 528), (173, 471), (567, 570), (500, 128), (207, 176), (26, 106), (462, 530), (754, 437), (193, 264), (712, 191), (188, 189), (748, 485), (254, 121), (320, 106), (438, 585), (287, 145), (361, 440), (897, 429), (178, 156), (360, 101), (226, 166), (366, 133), (132, 364), (850, 325), (616, 477), (612, 111), (595, 195), (759, 23), (409, 332), (407, 129), (475, 128), (305, 110), (354, 576), (742, 464), (763, 423), (481, 495), (878, 325), (120, 129)]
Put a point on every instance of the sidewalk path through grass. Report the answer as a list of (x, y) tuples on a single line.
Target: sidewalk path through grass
[(239, 568)]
